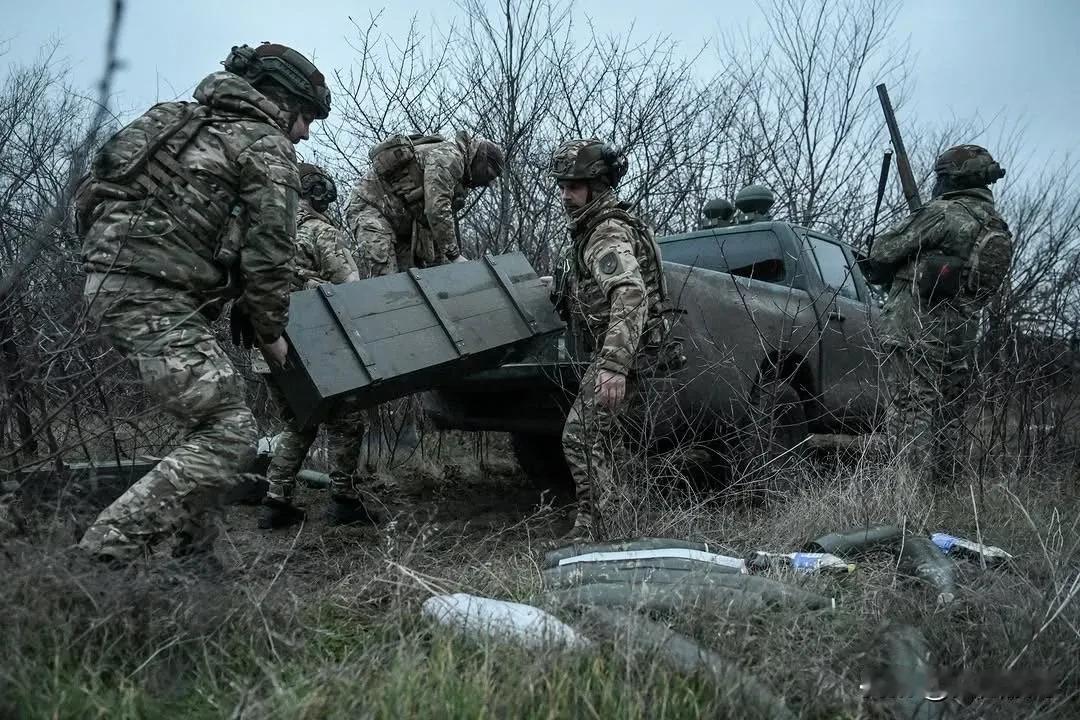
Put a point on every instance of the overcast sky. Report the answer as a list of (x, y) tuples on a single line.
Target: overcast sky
[(1017, 60)]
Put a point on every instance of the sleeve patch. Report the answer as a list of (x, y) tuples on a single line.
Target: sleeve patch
[(609, 263)]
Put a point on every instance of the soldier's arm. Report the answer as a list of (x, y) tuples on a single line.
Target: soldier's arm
[(270, 192), (611, 261), (442, 173), (334, 262), (920, 230)]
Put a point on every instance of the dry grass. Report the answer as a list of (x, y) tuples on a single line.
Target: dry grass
[(325, 622)]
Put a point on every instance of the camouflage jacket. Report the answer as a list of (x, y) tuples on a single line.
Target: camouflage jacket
[(616, 289), (244, 154), (948, 225), (321, 256), (430, 197)]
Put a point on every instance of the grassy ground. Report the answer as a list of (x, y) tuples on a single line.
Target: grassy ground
[(324, 622)]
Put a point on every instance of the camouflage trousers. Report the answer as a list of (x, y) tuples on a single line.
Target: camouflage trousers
[(345, 437), (593, 443), (927, 386), (381, 250), (186, 372)]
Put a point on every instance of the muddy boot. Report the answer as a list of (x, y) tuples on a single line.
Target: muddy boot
[(274, 513), (345, 510)]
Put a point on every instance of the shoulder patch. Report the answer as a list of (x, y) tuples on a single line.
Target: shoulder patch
[(609, 263)]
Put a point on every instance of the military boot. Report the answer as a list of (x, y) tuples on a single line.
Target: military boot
[(274, 513), (346, 510)]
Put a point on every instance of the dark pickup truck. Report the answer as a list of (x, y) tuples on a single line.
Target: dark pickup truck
[(777, 322)]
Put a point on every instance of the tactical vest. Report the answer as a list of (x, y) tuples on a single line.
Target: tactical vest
[(140, 163), (658, 352)]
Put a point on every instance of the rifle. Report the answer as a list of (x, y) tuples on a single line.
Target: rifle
[(903, 165), (883, 179)]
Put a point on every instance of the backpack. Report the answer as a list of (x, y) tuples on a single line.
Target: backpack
[(991, 256), (979, 275), (395, 157)]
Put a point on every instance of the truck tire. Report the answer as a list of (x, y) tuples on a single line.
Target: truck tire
[(541, 459), (773, 439)]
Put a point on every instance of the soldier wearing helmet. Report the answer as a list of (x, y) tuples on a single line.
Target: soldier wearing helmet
[(402, 214), (190, 206), (321, 257), (942, 264), (617, 299)]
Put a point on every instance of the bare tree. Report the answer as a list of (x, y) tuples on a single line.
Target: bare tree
[(811, 130)]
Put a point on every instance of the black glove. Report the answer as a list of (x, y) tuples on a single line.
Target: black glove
[(243, 332)]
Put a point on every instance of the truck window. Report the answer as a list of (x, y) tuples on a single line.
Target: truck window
[(756, 255), (833, 264)]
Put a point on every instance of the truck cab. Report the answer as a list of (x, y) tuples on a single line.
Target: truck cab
[(762, 303)]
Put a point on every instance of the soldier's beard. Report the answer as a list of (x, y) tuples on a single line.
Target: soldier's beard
[(574, 214)]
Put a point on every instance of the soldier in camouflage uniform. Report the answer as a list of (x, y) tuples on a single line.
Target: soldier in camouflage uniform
[(942, 264), (320, 258), (618, 297), (189, 206), (401, 215), (423, 183)]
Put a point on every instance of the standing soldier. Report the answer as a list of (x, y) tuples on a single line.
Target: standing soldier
[(401, 214), (942, 263), (618, 297), (320, 258), (188, 206)]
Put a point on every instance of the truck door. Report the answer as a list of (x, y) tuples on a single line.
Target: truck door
[(849, 360)]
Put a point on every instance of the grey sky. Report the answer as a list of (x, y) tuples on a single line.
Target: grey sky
[(1015, 60)]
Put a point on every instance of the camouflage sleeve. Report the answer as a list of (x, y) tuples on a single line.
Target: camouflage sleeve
[(442, 174), (334, 262), (270, 192), (895, 246), (611, 261)]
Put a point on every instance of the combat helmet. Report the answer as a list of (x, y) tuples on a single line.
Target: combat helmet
[(317, 186), (968, 166), (589, 160), (285, 68)]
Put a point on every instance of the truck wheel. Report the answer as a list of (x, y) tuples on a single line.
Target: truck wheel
[(773, 440), (541, 459)]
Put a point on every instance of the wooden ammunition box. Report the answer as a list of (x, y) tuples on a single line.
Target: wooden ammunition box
[(392, 336)]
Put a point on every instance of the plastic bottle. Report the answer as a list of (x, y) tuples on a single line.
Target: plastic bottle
[(962, 548), (800, 562)]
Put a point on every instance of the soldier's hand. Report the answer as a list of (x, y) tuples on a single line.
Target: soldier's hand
[(610, 389), (243, 332), (276, 350)]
